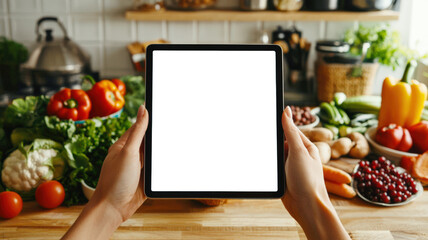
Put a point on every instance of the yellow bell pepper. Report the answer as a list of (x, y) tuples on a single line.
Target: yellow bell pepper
[(403, 101)]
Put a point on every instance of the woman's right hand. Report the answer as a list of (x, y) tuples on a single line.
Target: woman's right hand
[(306, 197)]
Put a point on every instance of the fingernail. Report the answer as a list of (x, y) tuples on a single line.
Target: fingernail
[(288, 112)]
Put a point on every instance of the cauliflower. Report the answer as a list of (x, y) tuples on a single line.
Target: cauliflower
[(27, 167)]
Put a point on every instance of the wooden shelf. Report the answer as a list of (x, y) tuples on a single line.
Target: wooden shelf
[(229, 15)]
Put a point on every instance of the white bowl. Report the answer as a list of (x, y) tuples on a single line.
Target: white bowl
[(87, 190), (310, 125), (389, 153)]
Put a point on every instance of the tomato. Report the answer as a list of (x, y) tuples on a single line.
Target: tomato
[(120, 86), (406, 142), (390, 136), (10, 204), (50, 194), (419, 133)]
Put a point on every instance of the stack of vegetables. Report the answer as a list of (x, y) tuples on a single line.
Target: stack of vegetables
[(40, 140)]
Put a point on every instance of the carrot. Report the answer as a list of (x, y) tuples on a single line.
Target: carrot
[(340, 189), (336, 175)]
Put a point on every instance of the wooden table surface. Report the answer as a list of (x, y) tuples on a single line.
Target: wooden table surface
[(238, 219)]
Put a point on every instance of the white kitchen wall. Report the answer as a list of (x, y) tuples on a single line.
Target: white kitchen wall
[(100, 27)]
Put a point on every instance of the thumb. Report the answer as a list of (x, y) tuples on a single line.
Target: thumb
[(292, 134), (139, 128)]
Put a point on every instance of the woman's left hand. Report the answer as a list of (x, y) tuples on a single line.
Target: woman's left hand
[(120, 189)]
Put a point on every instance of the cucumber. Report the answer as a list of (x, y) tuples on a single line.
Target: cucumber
[(339, 98), (330, 114), (338, 117), (344, 116), (327, 112), (362, 104), (346, 130), (333, 129)]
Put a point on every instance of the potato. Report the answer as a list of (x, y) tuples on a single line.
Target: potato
[(340, 147), (324, 150), (318, 134), (361, 147)]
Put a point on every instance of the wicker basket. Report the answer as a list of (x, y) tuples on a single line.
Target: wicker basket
[(333, 78)]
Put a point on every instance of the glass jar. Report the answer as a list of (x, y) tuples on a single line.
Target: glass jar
[(288, 5)]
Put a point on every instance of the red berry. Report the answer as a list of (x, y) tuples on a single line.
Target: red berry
[(357, 175), (379, 184), (385, 198), (384, 188)]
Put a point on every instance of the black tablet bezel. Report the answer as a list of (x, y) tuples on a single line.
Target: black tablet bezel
[(279, 109)]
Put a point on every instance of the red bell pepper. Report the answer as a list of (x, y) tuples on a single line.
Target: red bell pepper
[(395, 137), (106, 98), (419, 133), (71, 104), (120, 85)]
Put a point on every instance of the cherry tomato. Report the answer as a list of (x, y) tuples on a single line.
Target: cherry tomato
[(50, 194), (10, 204), (120, 86)]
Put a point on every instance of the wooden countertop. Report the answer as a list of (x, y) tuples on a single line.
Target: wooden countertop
[(238, 219)]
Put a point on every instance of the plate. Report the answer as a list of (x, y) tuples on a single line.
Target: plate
[(393, 155), (400, 170)]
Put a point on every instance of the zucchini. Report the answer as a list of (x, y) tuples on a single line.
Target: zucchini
[(362, 104)]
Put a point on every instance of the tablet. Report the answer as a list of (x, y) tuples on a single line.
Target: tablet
[(215, 121)]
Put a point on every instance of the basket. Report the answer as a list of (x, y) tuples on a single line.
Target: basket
[(336, 77)]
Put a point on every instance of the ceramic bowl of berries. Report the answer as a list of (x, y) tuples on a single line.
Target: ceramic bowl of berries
[(381, 183)]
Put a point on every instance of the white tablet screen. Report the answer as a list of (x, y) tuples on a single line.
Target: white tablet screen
[(214, 122)]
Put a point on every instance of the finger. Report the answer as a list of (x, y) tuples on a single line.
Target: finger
[(291, 132), (136, 136), (305, 140)]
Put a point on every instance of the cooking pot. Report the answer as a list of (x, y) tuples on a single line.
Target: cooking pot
[(369, 5), (55, 63)]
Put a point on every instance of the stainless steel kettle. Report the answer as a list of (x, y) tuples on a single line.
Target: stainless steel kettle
[(55, 63)]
